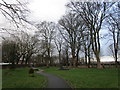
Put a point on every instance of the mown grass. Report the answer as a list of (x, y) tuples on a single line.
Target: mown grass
[(88, 78), (19, 78), (0, 78)]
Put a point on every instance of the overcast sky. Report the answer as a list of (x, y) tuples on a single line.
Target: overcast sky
[(50, 10)]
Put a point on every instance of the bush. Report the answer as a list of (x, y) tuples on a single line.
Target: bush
[(31, 72)]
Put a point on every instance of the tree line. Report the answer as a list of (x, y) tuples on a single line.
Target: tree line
[(77, 31)]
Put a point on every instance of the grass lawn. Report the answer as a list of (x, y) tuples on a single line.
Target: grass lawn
[(19, 78), (0, 78), (88, 78)]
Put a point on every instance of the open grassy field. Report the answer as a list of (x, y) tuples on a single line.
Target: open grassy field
[(87, 78), (19, 78), (0, 78)]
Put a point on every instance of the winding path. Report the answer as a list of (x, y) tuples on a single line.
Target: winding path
[(54, 81)]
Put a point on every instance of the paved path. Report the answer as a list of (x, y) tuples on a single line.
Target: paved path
[(54, 81)]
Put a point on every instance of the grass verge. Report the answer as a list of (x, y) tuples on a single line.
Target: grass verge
[(19, 78), (87, 78)]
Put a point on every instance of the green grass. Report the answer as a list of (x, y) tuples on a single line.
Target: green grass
[(19, 78), (0, 78), (88, 78)]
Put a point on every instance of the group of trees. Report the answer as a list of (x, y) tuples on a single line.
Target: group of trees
[(114, 28), (77, 31), (46, 32), (84, 23), (18, 50)]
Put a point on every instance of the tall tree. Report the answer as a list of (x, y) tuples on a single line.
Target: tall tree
[(65, 54), (9, 50), (86, 43), (114, 27), (25, 46), (31, 43), (47, 32), (69, 32), (93, 14), (59, 43)]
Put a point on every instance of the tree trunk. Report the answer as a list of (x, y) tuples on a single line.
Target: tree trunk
[(17, 60), (73, 58), (48, 57), (116, 63), (67, 57), (28, 58), (89, 56), (51, 62), (115, 48), (77, 57), (26, 61), (85, 53), (74, 62), (88, 59), (99, 66), (85, 57), (59, 57), (23, 59), (47, 64)]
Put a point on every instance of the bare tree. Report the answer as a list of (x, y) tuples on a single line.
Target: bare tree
[(86, 44), (14, 11), (25, 46), (32, 43), (9, 55), (65, 53), (111, 50), (59, 43), (47, 32), (69, 32), (93, 14), (114, 27)]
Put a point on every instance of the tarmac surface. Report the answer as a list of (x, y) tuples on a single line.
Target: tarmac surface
[(54, 81)]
